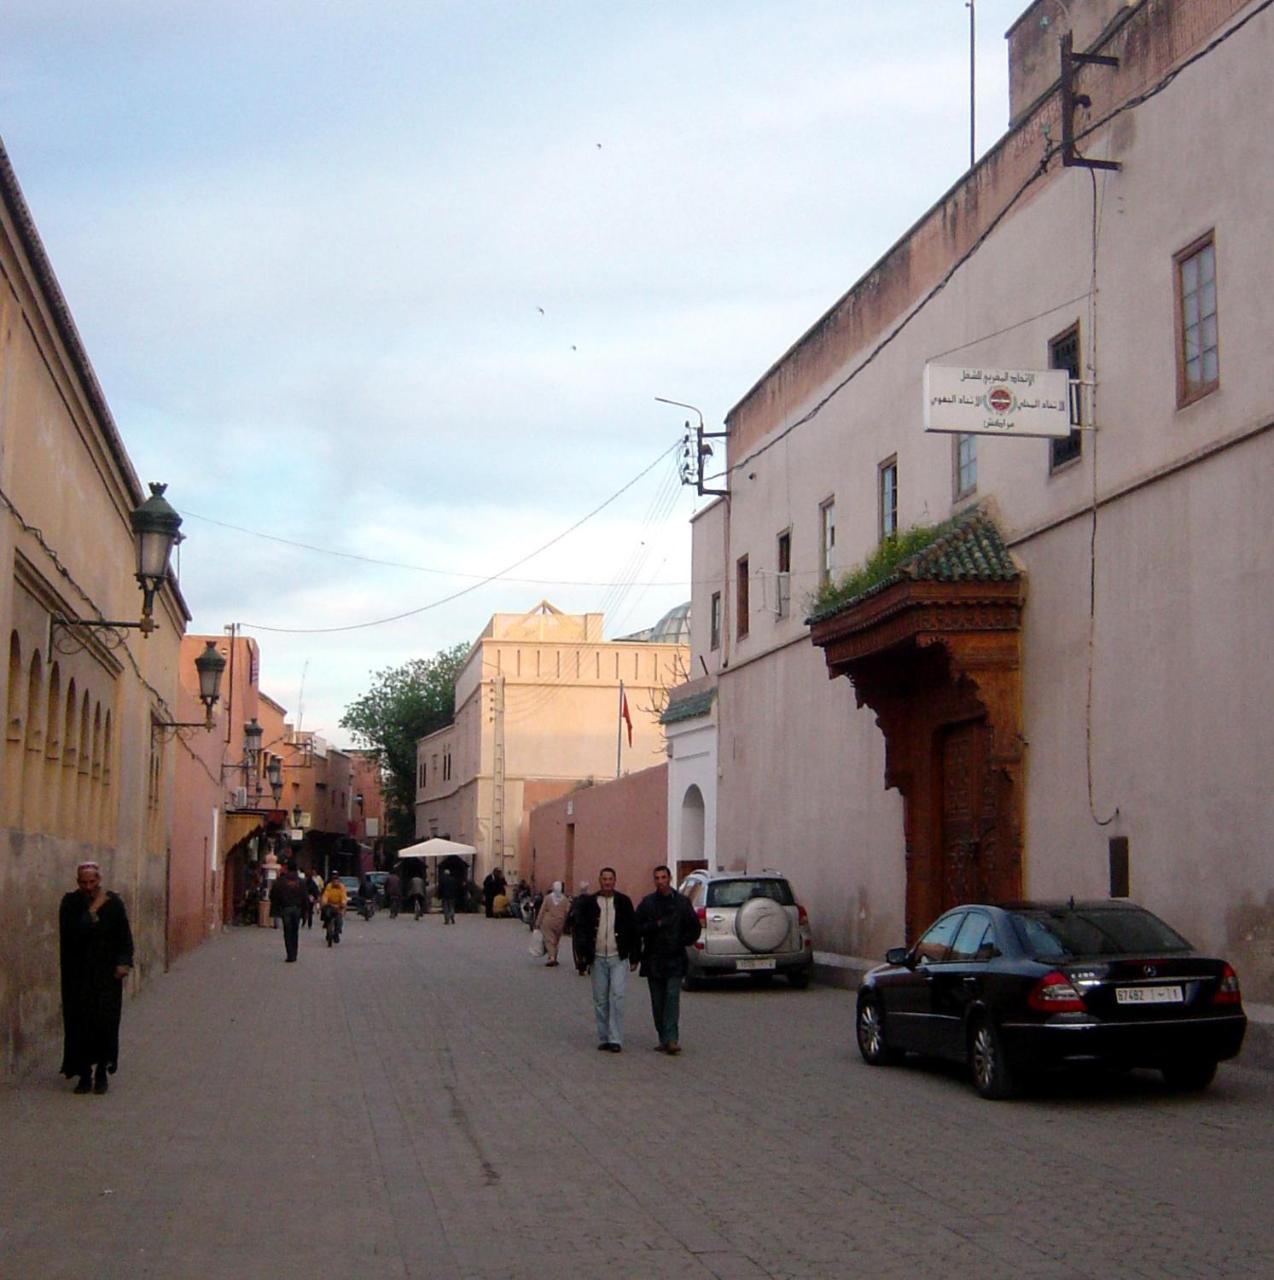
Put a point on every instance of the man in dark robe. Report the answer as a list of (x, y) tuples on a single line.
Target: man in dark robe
[(97, 954)]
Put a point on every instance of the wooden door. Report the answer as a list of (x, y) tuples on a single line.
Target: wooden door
[(967, 813)]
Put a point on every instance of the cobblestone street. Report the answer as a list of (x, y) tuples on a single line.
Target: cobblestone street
[(423, 1101)]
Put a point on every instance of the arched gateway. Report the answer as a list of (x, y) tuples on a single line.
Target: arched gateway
[(934, 651)]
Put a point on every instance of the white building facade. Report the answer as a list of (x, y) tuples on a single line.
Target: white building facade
[(1070, 698)]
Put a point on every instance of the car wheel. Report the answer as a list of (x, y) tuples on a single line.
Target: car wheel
[(799, 978), (871, 1035), (1191, 1075), (988, 1067), (691, 983)]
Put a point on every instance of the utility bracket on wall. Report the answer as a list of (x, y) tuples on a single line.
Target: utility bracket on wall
[(1070, 100)]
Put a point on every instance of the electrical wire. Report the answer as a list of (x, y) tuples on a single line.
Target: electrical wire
[(394, 564), (464, 591)]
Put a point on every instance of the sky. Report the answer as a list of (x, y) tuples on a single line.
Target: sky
[(385, 292)]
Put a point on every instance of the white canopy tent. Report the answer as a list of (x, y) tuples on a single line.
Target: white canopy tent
[(437, 848)]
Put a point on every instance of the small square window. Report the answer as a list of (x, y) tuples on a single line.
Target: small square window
[(1198, 360), (888, 490)]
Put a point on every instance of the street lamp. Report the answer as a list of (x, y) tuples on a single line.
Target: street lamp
[(210, 665), (252, 734), (156, 530), (297, 815), (156, 527), (274, 776)]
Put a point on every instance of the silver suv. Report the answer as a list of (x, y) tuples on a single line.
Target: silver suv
[(751, 924)]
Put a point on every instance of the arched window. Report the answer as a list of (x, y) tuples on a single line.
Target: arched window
[(11, 801), (83, 786), (29, 800), (67, 812), (13, 702), (52, 750)]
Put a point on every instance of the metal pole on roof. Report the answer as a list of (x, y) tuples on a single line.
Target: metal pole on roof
[(972, 83)]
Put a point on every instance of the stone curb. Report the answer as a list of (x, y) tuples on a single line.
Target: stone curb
[(834, 970)]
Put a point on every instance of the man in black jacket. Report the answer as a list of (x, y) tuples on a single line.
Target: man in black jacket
[(607, 944), (289, 896), (667, 925)]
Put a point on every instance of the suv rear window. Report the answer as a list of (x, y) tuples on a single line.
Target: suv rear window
[(1105, 931), (734, 893)]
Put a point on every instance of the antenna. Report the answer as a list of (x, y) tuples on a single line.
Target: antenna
[(300, 697)]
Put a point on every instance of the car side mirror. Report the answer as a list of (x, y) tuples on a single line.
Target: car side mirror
[(897, 955)]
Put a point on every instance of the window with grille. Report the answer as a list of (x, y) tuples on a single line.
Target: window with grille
[(1198, 365), (888, 487), (1063, 353), (741, 598), (826, 540), (966, 465), (783, 588), (714, 638)]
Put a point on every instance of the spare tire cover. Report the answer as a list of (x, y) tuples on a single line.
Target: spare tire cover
[(761, 924)]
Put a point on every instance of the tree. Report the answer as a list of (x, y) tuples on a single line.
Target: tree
[(404, 704)]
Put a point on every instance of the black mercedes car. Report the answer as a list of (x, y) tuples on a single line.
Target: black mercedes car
[(1027, 986)]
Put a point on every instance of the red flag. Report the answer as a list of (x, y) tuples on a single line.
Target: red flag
[(623, 711)]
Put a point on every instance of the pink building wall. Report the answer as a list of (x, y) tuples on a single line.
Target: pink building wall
[(621, 824)]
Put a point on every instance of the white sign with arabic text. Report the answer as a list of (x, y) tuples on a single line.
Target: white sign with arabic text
[(997, 402)]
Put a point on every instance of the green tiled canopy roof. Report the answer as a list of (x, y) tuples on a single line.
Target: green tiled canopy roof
[(698, 704), (967, 548)]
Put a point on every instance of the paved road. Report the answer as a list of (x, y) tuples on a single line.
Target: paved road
[(427, 1102)]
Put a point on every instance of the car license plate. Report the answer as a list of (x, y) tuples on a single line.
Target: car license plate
[(1147, 995), (759, 963)]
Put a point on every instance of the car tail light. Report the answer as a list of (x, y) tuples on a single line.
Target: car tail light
[(703, 924), (1227, 991), (1055, 993), (802, 916)]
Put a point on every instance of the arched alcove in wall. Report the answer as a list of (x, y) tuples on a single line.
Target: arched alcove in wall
[(692, 825)]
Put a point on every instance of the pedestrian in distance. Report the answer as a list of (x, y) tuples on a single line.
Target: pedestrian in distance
[(416, 895), (668, 925), (608, 945), (96, 948), (394, 894), (332, 904), (290, 897), (572, 916), (448, 892), (492, 887), (313, 888), (552, 921)]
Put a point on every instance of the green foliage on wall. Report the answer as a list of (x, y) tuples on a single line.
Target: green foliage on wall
[(834, 594)]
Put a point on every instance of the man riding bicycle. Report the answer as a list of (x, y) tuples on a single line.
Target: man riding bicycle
[(332, 904)]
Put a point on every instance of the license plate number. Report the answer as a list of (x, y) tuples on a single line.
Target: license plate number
[(1148, 995), (759, 963)]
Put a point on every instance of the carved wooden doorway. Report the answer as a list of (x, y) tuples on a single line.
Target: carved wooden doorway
[(966, 813)]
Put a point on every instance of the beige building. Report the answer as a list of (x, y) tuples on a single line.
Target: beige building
[(83, 774), (537, 712), (1070, 694)]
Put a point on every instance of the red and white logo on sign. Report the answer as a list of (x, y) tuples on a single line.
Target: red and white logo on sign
[(1000, 399)]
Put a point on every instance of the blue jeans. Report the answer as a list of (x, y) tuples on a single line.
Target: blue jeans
[(610, 981), (665, 1005)]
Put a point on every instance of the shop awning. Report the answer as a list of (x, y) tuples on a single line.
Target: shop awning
[(437, 848)]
